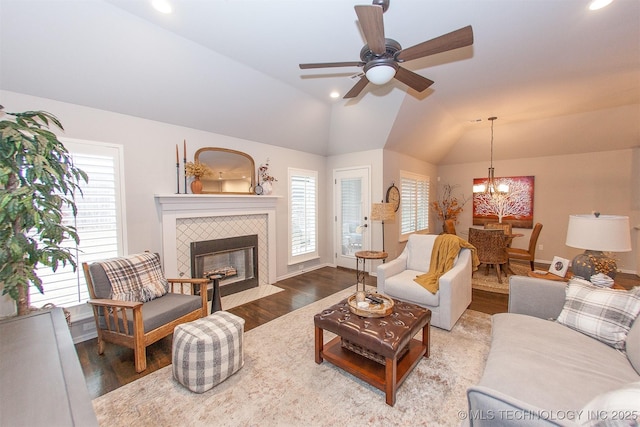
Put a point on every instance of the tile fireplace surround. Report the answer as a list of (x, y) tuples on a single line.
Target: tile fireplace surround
[(195, 217)]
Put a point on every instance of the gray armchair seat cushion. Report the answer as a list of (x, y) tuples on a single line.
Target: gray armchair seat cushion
[(161, 311)]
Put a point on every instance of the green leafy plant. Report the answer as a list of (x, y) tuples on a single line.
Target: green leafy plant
[(37, 179)]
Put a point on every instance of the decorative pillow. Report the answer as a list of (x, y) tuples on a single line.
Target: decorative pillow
[(613, 408), (632, 345), (603, 314), (136, 277)]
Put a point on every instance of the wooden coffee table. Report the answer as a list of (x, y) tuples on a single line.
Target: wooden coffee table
[(380, 351)]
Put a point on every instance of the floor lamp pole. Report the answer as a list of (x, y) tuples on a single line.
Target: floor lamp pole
[(383, 239)]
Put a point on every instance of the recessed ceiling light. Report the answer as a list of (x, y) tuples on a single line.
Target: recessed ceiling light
[(162, 6), (599, 4), (334, 94)]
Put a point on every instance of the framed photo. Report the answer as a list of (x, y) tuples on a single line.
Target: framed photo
[(559, 266)]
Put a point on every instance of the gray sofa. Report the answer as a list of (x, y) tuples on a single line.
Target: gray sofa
[(540, 372)]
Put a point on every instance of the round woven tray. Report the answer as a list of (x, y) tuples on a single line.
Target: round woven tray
[(373, 310)]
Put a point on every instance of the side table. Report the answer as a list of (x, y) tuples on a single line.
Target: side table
[(361, 258), (566, 278)]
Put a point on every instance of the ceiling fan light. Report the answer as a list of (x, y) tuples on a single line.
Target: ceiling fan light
[(599, 4), (380, 74), (162, 6)]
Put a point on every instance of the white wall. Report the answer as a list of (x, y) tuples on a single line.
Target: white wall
[(564, 185), (149, 164), (394, 163)]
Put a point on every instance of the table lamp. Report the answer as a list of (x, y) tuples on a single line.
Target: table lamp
[(382, 212), (597, 234)]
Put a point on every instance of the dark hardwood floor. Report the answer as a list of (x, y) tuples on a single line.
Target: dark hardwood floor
[(115, 368)]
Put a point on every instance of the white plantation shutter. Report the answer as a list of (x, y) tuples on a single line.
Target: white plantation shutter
[(99, 224), (303, 208), (414, 206)]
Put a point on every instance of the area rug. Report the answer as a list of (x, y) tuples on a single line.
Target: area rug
[(281, 385), (489, 282), (249, 295)]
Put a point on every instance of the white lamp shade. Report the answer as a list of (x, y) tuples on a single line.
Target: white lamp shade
[(380, 74), (607, 233)]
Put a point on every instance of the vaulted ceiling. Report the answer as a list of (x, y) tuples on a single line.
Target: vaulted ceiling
[(562, 79)]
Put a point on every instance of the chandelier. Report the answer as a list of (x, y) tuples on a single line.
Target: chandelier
[(493, 188)]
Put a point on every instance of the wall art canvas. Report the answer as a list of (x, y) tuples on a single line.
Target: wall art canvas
[(514, 206)]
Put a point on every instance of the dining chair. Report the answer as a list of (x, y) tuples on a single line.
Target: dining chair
[(506, 227), (530, 253), (491, 247)]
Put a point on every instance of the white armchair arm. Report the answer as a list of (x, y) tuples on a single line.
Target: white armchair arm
[(455, 290), (389, 269)]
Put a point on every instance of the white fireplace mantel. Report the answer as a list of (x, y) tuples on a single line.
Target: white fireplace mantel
[(178, 206)]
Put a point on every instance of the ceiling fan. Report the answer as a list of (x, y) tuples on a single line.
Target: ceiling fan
[(381, 57)]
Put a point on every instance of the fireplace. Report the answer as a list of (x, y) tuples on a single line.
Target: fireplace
[(190, 218), (234, 260)]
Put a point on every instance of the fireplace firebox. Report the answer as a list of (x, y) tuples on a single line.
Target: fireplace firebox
[(233, 259)]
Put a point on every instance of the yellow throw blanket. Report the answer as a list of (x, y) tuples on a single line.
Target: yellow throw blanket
[(445, 249)]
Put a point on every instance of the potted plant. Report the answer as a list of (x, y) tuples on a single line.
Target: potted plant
[(197, 170), (266, 180), (37, 179), (448, 205)]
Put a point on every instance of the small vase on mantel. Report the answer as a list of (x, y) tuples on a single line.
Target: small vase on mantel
[(196, 185), (267, 188)]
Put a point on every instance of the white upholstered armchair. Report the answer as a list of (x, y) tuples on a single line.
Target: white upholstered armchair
[(395, 279)]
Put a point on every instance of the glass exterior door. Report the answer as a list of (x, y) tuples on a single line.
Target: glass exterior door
[(352, 215)]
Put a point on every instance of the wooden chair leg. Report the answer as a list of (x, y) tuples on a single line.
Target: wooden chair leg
[(140, 356), (499, 273), (532, 267), (100, 345)]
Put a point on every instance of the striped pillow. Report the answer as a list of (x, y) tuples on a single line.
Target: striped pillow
[(601, 313)]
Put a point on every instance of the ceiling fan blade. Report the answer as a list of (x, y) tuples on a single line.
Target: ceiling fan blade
[(453, 40), (370, 18), (357, 88), (413, 80), (333, 64)]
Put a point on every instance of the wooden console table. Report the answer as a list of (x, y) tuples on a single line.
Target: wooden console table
[(41, 380)]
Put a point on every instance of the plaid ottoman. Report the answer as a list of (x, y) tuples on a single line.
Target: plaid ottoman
[(207, 351)]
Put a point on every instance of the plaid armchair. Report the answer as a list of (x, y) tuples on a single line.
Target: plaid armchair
[(135, 306)]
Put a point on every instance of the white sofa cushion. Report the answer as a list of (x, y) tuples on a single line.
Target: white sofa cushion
[(403, 284), (419, 253), (615, 408)]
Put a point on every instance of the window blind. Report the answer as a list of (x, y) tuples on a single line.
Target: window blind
[(303, 211), (97, 224), (414, 203)]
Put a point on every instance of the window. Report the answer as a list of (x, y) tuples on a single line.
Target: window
[(414, 205), (99, 223), (303, 211)]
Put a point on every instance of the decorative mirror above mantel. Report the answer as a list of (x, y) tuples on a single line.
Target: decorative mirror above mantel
[(233, 171)]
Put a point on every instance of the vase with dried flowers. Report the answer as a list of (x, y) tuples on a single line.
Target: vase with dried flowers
[(196, 170), (448, 205), (266, 180)]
